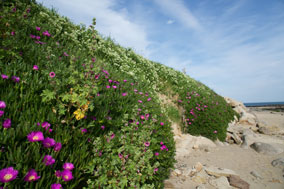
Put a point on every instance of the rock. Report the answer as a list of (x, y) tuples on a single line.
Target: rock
[(237, 182), (278, 162), (198, 166), (220, 183), (199, 180), (247, 119), (269, 130), (245, 142), (265, 148), (218, 172), (168, 185), (200, 187), (255, 174), (177, 172)]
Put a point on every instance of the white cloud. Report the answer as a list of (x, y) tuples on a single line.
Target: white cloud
[(170, 21), (110, 22), (179, 11)]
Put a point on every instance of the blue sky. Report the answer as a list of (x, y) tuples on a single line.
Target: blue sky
[(236, 47)]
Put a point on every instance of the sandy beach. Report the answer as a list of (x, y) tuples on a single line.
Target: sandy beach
[(258, 168)]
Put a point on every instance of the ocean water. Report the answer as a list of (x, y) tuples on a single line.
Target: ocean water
[(263, 104)]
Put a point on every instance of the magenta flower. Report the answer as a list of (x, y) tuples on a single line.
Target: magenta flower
[(38, 28), (57, 147), (124, 80), (103, 127), (56, 186), (124, 94), (46, 33), (112, 136), (109, 80), (68, 166), (140, 101), (94, 59), (83, 130), (45, 125), (37, 37), (15, 79), (4, 76), (1, 113), (156, 153), (108, 86), (155, 170), (148, 99), (7, 123), (147, 144), (2, 105), (52, 74), (161, 143), (12, 33), (31, 176), (65, 54), (66, 175), (162, 123), (114, 87), (58, 174), (8, 174), (215, 132), (32, 36), (35, 67), (48, 160), (142, 117), (48, 142), (35, 136)]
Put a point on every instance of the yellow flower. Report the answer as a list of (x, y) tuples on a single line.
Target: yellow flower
[(79, 114)]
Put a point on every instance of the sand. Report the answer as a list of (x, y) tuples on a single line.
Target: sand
[(240, 160)]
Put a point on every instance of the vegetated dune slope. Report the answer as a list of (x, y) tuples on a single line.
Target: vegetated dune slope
[(73, 96)]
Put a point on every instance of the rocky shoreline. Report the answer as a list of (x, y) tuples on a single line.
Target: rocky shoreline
[(251, 157)]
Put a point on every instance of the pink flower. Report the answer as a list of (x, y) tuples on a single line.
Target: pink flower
[(37, 37), (7, 123), (114, 87), (161, 143), (215, 132), (161, 123), (68, 166), (142, 117), (8, 174), (148, 99), (58, 174), (140, 101), (103, 127), (48, 160), (124, 94), (56, 186), (32, 36), (1, 113), (46, 33), (12, 33), (156, 153), (124, 80), (93, 59), (35, 67), (83, 130), (108, 87), (35, 136), (155, 170), (65, 54), (2, 105), (38, 28), (4, 76), (112, 136), (66, 175), (48, 142), (109, 80), (15, 79), (147, 144), (52, 74), (31, 176), (57, 147)]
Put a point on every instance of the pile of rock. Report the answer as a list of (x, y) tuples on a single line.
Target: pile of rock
[(216, 177)]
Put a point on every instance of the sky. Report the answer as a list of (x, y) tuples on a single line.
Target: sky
[(236, 47)]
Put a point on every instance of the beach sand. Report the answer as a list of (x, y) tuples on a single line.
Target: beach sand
[(253, 167)]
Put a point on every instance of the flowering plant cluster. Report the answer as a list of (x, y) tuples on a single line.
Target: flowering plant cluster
[(69, 95)]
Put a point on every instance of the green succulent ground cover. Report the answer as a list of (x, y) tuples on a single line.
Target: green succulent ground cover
[(95, 99)]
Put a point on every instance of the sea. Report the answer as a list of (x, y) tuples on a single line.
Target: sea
[(255, 104)]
